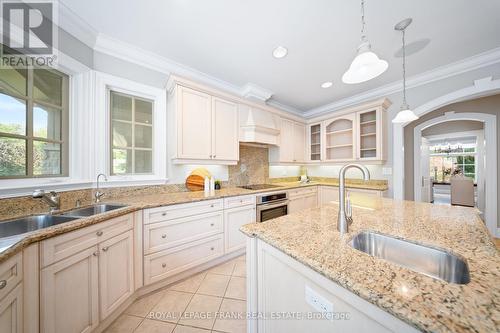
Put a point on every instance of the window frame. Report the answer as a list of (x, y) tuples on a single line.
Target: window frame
[(29, 135), (132, 123)]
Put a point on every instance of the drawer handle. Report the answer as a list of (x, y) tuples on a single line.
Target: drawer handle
[(241, 201), (105, 248), (99, 233), (163, 236), (163, 265), (212, 248), (96, 254), (211, 224), (3, 284), (163, 214), (212, 205)]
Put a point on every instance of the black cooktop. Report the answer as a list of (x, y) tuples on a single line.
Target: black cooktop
[(258, 186)]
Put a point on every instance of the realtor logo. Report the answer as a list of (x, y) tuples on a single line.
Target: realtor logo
[(29, 33)]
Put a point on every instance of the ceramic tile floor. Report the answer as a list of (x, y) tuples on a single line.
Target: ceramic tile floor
[(211, 301)]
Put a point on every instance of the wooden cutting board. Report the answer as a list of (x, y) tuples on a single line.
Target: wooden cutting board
[(196, 180)]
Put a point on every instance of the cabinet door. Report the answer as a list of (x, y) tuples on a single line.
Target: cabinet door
[(299, 142), (295, 205), (287, 138), (69, 294), (340, 138), (194, 124), (369, 133), (225, 129), (233, 219), (116, 271), (11, 311), (311, 200), (329, 194)]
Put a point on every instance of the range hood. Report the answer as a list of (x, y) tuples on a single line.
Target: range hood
[(258, 126)]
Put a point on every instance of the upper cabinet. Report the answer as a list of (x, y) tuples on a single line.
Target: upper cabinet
[(292, 143), (203, 128), (355, 135)]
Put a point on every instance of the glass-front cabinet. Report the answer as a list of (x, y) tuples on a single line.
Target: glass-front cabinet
[(315, 142), (369, 135)]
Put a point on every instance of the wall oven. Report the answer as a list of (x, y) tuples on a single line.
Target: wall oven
[(272, 205)]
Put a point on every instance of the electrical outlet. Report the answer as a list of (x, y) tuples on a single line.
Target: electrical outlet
[(317, 301)]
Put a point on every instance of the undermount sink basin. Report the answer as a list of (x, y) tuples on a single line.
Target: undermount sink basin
[(93, 210), (31, 223), (436, 263)]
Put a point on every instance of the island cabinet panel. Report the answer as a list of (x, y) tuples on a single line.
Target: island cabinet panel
[(275, 275), (11, 311)]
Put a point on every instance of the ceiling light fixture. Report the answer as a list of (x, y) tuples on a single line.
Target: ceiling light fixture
[(366, 65), (405, 114), (280, 52), (326, 84)]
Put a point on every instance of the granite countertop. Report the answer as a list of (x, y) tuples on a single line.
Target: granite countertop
[(12, 245), (428, 304)]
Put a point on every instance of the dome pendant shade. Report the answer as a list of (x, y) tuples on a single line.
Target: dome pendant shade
[(366, 66), (405, 116)]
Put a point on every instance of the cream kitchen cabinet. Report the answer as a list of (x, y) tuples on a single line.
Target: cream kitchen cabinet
[(370, 135), (340, 138), (292, 146), (302, 198), (11, 311), (101, 274), (242, 212), (203, 128)]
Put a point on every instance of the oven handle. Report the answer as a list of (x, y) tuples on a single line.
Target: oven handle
[(272, 205)]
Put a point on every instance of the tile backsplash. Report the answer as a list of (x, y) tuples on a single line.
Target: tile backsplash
[(253, 167)]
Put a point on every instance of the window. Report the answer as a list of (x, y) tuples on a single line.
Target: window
[(131, 134), (33, 123), (449, 158)]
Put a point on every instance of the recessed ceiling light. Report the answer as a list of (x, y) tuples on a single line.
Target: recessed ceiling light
[(280, 52), (326, 84)]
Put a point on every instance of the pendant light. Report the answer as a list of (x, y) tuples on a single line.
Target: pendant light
[(367, 64), (405, 114)]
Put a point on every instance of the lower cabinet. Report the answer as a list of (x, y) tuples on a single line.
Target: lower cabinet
[(300, 199), (69, 294), (116, 273), (234, 218), (73, 288), (11, 311)]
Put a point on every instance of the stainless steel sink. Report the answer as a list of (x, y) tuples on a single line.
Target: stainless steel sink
[(31, 223), (436, 263), (93, 210)]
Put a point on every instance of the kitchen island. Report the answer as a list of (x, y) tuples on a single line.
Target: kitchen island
[(300, 259)]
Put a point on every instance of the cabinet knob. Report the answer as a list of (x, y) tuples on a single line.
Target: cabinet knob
[(105, 248), (163, 265), (212, 205), (3, 284), (95, 254), (164, 236), (163, 214), (99, 233), (211, 224), (212, 248), (215, 156)]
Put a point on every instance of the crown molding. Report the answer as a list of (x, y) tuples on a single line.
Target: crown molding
[(465, 65), (285, 107), (73, 24), (253, 91)]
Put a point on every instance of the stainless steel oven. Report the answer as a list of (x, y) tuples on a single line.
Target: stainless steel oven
[(272, 205)]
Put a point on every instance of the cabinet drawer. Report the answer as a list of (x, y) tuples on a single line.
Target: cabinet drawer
[(11, 273), (302, 192), (182, 210), (63, 246), (163, 235), (234, 202), (172, 261)]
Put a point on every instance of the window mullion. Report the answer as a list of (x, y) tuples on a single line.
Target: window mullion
[(29, 125)]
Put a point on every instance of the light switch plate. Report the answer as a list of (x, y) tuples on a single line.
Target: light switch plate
[(317, 301)]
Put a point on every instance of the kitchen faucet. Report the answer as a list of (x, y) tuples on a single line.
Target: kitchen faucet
[(98, 194), (52, 199), (345, 213)]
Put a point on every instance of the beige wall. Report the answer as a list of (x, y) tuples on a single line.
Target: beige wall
[(489, 105)]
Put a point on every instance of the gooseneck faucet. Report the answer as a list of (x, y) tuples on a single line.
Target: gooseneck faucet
[(52, 199), (345, 213), (98, 194)]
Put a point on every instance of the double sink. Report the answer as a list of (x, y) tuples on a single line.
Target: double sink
[(31, 223)]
